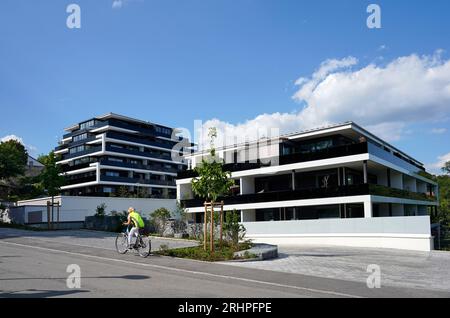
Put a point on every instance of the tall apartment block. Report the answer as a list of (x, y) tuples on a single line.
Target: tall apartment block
[(112, 154)]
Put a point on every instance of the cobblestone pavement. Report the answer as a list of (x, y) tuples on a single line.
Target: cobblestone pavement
[(398, 267), (103, 240)]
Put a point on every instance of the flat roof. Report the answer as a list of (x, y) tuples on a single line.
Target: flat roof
[(117, 116), (313, 131)]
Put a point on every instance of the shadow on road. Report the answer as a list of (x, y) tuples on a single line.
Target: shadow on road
[(127, 277), (34, 293)]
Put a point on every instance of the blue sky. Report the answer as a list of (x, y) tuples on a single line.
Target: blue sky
[(228, 62)]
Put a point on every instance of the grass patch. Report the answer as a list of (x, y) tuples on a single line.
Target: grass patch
[(225, 253)]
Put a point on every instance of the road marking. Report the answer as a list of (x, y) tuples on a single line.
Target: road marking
[(188, 271)]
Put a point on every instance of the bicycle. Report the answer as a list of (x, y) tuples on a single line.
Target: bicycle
[(143, 245)]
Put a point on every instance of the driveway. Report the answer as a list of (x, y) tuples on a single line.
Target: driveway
[(427, 270)]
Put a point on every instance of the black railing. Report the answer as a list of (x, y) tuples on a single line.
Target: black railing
[(316, 193), (383, 191), (138, 153), (71, 181), (230, 167), (137, 166), (313, 193), (67, 168), (138, 140), (137, 181), (82, 153), (333, 152)]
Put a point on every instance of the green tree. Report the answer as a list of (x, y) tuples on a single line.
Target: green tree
[(13, 160), (50, 178), (446, 167), (122, 192), (212, 182)]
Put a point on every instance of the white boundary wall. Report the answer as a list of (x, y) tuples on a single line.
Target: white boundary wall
[(75, 209), (410, 233)]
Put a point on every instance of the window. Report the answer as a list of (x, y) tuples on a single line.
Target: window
[(108, 190), (112, 174), (115, 159), (163, 130), (116, 146), (78, 149), (80, 137), (88, 124)]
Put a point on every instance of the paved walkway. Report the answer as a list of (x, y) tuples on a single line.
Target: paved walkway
[(98, 239), (398, 268)]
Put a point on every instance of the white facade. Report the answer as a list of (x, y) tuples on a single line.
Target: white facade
[(75, 209), (359, 193)]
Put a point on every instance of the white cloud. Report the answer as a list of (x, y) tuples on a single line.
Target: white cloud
[(438, 131), (12, 137), (436, 167), (386, 99), (117, 4), (31, 149)]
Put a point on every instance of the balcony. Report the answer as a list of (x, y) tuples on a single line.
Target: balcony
[(137, 166), (138, 153), (313, 193), (137, 139), (71, 181), (388, 156), (67, 168), (333, 152), (80, 131), (82, 153), (383, 191), (316, 193), (137, 181)]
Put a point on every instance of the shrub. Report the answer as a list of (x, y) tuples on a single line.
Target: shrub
[(233, 230), (100, 210), (159, 219)]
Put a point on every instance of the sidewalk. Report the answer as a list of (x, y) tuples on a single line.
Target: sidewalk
[(398, 267)]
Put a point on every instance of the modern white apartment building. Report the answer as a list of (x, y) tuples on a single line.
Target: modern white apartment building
[(101, 155), (338, 185)]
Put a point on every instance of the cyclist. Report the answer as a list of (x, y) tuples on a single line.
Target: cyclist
[(136, 220)]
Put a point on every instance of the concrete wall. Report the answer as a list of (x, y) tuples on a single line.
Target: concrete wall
[(77, 208), (412, 233)]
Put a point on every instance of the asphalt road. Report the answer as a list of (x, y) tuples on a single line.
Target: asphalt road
[(37, 268)]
